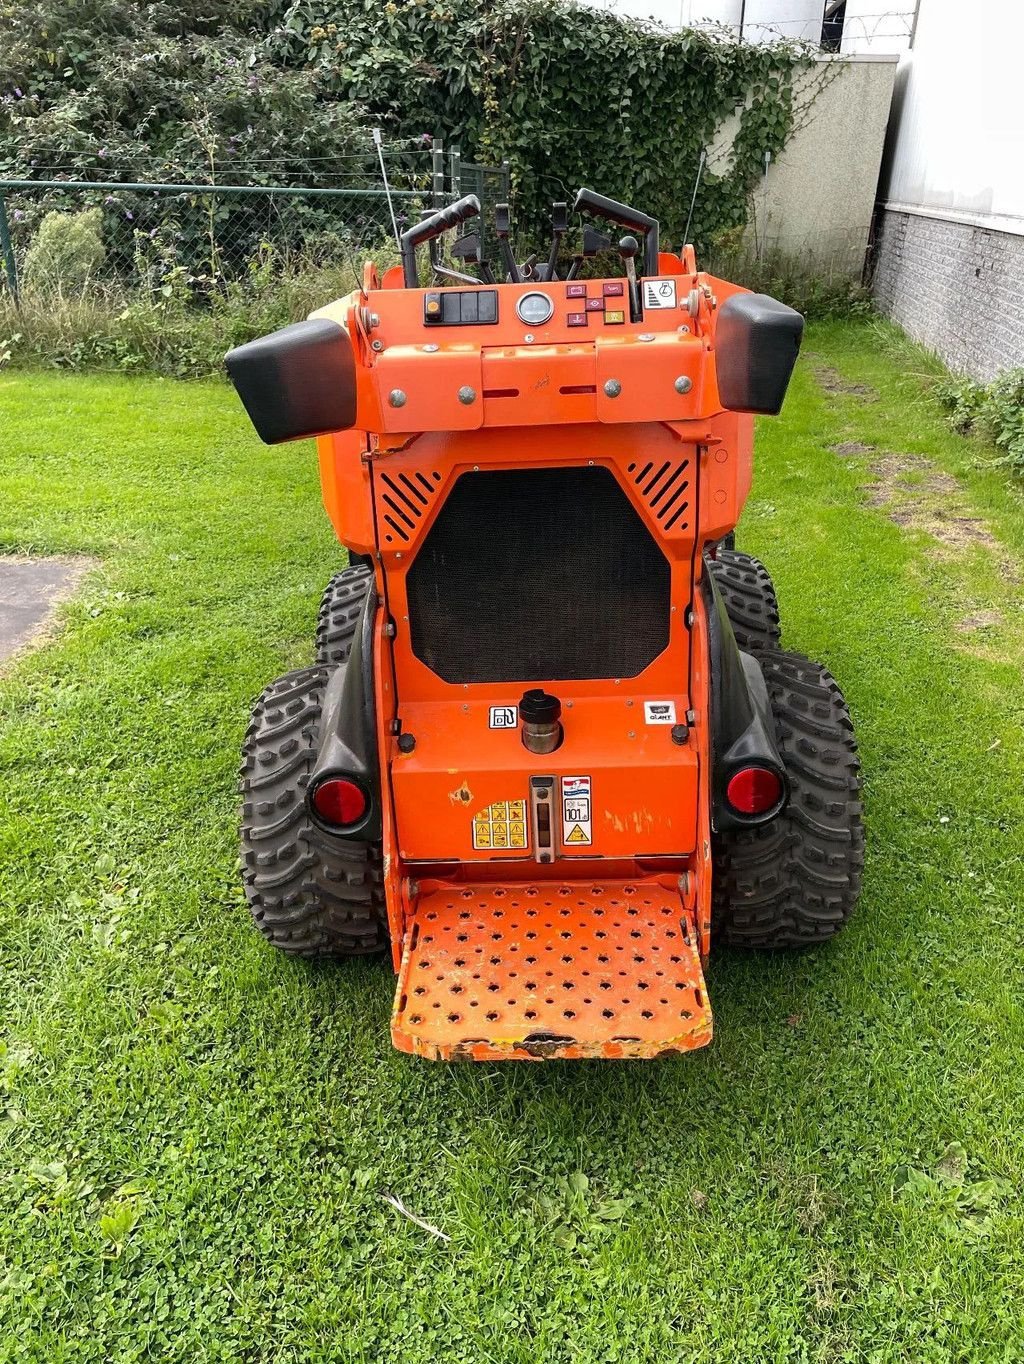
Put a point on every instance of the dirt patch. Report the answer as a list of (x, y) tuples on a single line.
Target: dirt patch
[(916, 494), (831, 381), (979, 620), (30, 592), (851, 447)]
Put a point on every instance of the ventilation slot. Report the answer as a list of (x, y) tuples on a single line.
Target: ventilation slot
[(664, 486), (402, 499)]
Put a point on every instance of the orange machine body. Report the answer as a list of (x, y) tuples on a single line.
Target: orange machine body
[(588, 389)]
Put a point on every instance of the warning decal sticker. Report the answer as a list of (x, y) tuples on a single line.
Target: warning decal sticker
[(659, 293), (659, 712), (576, 812), (500, 826)]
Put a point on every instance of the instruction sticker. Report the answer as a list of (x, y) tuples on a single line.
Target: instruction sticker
[(659, 712), (576, 812), (504, 717), (500, 826), (659, 293)]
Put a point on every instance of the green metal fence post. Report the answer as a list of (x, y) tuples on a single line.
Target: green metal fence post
[(437, 171), (7, 247)]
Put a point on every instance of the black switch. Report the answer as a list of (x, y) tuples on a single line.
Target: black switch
[(431, 307), (469, 308), (451, 312), (487, 305)]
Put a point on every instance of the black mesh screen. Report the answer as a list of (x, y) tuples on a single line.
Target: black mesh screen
[(538, 573)]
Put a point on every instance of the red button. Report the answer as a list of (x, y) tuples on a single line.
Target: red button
[(575, 291), (595, 305), (577, 319), (612, 290)]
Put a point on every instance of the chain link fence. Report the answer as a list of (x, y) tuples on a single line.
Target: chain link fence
[(68, 238)]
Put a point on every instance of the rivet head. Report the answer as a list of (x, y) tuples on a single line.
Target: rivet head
[(683, 384), (377, 345), (646, 336), (396, 398), (612, 388), (431, 347), (467, 395)]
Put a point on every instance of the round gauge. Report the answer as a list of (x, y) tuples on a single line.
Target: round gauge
[(535, 309)]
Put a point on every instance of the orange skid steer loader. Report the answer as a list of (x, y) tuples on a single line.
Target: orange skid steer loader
[(550, 748)]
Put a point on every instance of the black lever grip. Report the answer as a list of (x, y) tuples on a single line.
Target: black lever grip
[(432, 227), (625, 217)]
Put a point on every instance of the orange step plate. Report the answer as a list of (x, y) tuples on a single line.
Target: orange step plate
[(548, 971)]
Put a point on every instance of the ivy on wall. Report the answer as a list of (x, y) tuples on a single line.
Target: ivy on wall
[(568, 95)]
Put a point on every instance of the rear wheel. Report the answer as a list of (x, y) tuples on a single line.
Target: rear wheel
[(795, 881), (750, 601), (310, 894), (340, 608)]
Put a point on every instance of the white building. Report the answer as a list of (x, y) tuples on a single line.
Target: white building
[(950, 251), (756, 21)]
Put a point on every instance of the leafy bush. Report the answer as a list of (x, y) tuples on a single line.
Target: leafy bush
[(995, 411), (809, 286), (66, 250)]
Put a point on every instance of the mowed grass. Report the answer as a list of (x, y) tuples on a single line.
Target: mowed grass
[(195, 1134)]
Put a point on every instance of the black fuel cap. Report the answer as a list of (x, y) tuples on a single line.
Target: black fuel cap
[(538, 708)]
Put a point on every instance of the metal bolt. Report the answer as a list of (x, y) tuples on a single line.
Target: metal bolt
[(528, 337), (646, 336), (390, 630), (377, 345), (396, 398), (374, 320), (632, 733), (683, 384), (467, 395), (612, 388), (431, 347)]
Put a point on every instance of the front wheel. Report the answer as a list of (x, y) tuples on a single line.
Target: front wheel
[(794, 882)]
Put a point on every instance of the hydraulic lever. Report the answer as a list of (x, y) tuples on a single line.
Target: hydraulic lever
[(628, 247), (559, 222), (626, 217), (432, 227), (594, 243), (502, 228)]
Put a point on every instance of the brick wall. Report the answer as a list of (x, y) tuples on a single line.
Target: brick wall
[(957, 289)]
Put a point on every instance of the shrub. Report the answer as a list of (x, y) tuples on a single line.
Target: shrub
[(995, 411), (66, 250)]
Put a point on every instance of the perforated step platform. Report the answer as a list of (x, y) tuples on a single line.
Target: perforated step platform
[(549, 971)]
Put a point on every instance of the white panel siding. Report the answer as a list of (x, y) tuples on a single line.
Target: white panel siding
[(959, 144)]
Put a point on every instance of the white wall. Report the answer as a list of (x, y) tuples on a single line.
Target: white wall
[(958, 146), (763, 20)]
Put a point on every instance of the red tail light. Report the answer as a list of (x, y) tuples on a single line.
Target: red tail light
[(339, 801), (754, 790)]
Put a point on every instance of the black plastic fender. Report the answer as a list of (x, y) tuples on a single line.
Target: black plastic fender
[(742, 727), (348, 730)]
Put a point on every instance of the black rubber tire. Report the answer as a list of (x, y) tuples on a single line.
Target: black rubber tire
[(340, 607), (750, 601), (311, 895), (795, 881)]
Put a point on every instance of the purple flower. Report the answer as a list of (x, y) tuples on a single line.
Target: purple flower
[(129, 214), (426, 137), (18, 215), (18, 93), (102, 151)]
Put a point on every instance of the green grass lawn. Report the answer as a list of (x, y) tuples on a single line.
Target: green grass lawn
[(195, 1134)]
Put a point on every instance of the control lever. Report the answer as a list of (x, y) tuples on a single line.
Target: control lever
[(469, 248), (594, 243), (626, 217), (559, 222), (430, 228), (502, 227), (628, 247)]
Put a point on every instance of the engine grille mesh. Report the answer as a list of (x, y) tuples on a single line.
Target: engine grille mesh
[(534, 574)]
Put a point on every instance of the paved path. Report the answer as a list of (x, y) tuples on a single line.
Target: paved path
[(29, 592)]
